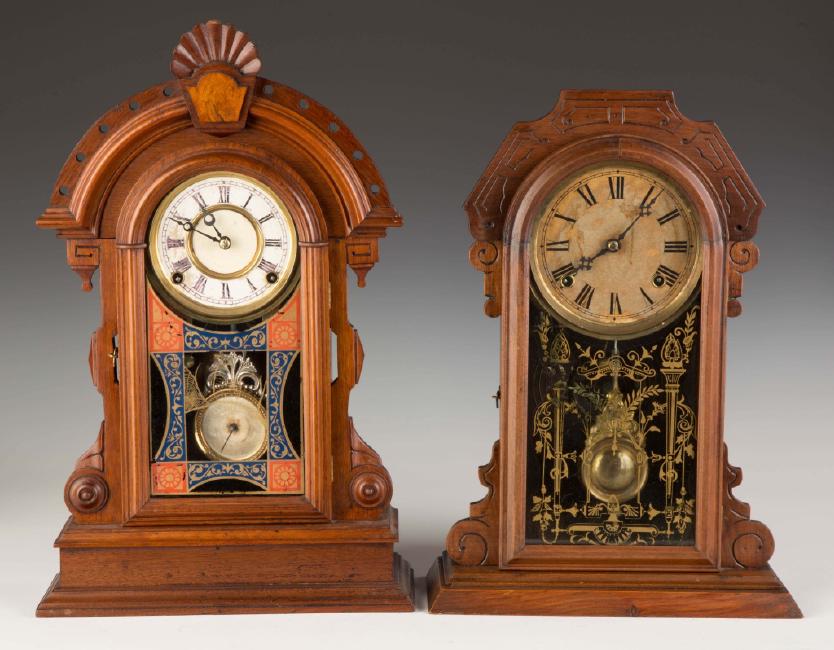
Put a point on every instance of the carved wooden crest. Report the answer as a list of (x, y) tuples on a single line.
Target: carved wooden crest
[(216, 65), (581, 116)]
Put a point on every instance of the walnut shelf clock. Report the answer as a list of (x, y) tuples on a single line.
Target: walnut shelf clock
[(612, 234), (223, 210)]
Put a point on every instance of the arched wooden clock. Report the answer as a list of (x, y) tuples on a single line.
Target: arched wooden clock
[(223, 210), (612, 234)]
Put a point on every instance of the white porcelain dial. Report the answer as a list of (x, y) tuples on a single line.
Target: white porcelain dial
[(223, 245)]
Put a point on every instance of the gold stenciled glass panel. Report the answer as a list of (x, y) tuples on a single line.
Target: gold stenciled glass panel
[(611, 433)]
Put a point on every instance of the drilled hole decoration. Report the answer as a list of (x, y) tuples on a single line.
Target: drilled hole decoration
[(80, 157), (303, 104), (134, 105), (103, 128), (374, 189), (167, 91), (333, 127), (358, 155), (268, 90), (64, 190)]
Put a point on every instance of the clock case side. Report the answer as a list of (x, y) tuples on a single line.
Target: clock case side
[(486, 551), (101, 205)]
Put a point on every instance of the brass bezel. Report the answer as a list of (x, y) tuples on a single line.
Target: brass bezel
[(638, 325), (195, 260), (287, 279), (203, 444)]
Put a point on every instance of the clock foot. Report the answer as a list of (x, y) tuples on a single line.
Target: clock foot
[(728, 593)]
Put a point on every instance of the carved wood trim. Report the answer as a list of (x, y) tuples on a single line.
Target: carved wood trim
[(745, 542), (214, 42), (485, 256), (743, 256), (86, 490), (474, 541), (370, 483), (216, 65), (83, 258), (362, 254), (584, 114), (581, 116)]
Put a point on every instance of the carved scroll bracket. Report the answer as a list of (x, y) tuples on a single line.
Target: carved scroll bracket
[(743, 256), (370, 483), (474, 540), (86, 490), (217, 67), (745, 542), (485, 256)]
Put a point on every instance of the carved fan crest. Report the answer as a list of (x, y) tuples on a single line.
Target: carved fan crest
[(214, 42)]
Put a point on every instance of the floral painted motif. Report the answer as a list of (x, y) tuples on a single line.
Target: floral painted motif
[(168, 478), (203, 472), (201, 340), (285, 476), (279, 365), (164, 329), (284, 327)]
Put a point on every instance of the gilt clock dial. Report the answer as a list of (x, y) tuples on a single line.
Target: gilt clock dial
[(616, 251), (222, 246)]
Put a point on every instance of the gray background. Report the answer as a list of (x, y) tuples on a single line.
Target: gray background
[(430, 88)]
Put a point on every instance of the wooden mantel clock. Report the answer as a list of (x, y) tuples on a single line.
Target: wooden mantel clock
[(613, 234), (222, 210)]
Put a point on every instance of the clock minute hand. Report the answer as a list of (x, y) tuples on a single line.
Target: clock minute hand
[(611, 246)]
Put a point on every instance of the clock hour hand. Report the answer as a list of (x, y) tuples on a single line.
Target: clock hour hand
[(187, 226), (210, 220)]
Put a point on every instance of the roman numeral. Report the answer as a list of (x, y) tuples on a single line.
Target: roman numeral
[(251, 286), (553, 246), (273, 242), (266, 218), (648, 201), (669, 216), (676, 246), (646, 296), (247, 201), (586, 294), (201, 202), (614, 305), (181, 266), (266, 266), (567, 269), (174, 243), (200, 284), (586, 193), (667, 274), (616, 185), (225, 291), (223, 190), (564, 218)]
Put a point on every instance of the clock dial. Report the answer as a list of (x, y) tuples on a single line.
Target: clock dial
[(232, 427), (616, 251), (223, 246)]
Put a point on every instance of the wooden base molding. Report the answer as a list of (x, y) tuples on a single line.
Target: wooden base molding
[(158, 572), (742, 593)]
